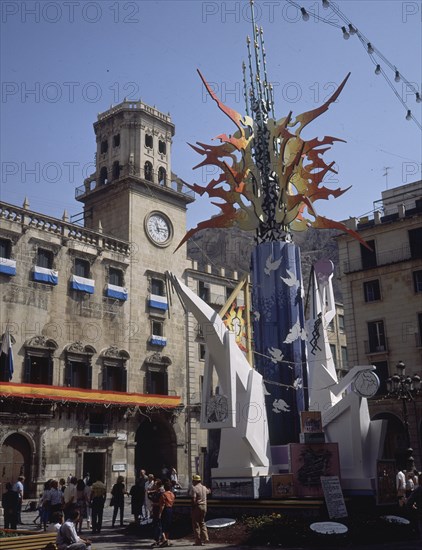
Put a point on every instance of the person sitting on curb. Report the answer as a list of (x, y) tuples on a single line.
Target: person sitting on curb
[(67, 537)]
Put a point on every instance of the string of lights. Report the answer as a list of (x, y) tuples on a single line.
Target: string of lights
[(376, 56)]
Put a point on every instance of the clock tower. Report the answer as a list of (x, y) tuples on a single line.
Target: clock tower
[(133, 196), (133, 193)]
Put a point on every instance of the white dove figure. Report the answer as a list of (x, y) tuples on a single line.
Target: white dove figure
[(291, 279), (298, 383), (275, 354), (257, 315), (271, 265), (279, 405), (295, 332)]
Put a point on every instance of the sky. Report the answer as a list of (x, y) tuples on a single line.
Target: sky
[(63, 62)]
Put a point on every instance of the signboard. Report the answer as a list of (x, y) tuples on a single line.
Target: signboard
[(386, 482), (309, 462), (283, 486), (239, 487), (119, 467), (311, 422), (333, 497)]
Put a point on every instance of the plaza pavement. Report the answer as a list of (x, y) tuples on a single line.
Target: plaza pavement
[(116, 538)]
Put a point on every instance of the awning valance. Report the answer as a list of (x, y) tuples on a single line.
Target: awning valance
[(77, 395)]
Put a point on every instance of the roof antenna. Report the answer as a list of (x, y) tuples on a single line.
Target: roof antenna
[(385, 175)]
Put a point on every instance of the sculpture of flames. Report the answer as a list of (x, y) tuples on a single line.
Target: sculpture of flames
[(270, 177)]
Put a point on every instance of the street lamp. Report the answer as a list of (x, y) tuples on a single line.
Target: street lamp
[(404, 388)]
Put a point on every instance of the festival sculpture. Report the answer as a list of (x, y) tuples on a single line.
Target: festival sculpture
[(239, 407), (269, 180), (342, 402)]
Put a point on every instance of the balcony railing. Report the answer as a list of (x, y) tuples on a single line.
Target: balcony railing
[(372, 348), (176, 184), (132, 106), (382, 258), (54, 226), (216, 299)]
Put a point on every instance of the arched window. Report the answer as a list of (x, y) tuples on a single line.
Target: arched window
[(148, 141), (162, 148), (114, 372), (39, 362), (162, 174), (103, 176), (78, 367), (116, 170), (148, 171), (156, 380)]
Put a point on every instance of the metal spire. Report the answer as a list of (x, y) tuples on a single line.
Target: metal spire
[(252, 92), (245, 89)]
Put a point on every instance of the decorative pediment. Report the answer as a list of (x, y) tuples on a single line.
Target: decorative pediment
[(158, 359), (40, 341), (79, 348), (114, 352), (45, 245), (89, 255)]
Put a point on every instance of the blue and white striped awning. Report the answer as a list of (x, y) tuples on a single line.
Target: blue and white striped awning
[(158, 340), (118, 292), (45, 275), (7, 266), (82, 284), (158, 302)]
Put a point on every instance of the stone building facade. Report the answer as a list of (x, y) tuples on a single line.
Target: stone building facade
[(382, 293), (99, 377)]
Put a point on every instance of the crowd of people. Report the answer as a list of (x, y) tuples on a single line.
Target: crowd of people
[(409, 494), (65, 504), (62, 508)]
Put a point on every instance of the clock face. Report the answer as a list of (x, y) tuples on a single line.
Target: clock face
[(366, 383), (158, 229)]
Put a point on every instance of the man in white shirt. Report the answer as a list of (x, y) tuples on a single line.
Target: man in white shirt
[(401, 487), (55, 523), (67, 537), (18, 488)]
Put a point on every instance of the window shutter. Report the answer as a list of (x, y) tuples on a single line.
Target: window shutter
[(50, 370), (124, 379), (166, 383), (105, 378), (68, 374), (148, 381), (89, 376), (28, 363)]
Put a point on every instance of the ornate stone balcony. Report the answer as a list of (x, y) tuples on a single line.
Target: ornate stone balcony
[(27, 219)]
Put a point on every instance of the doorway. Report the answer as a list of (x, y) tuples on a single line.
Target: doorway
[(156, 447), (94, 464), (15, 460)]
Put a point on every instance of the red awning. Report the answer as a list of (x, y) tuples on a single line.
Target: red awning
[(77, 395)]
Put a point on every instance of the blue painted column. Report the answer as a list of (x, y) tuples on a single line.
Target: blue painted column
[(279, 336)]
